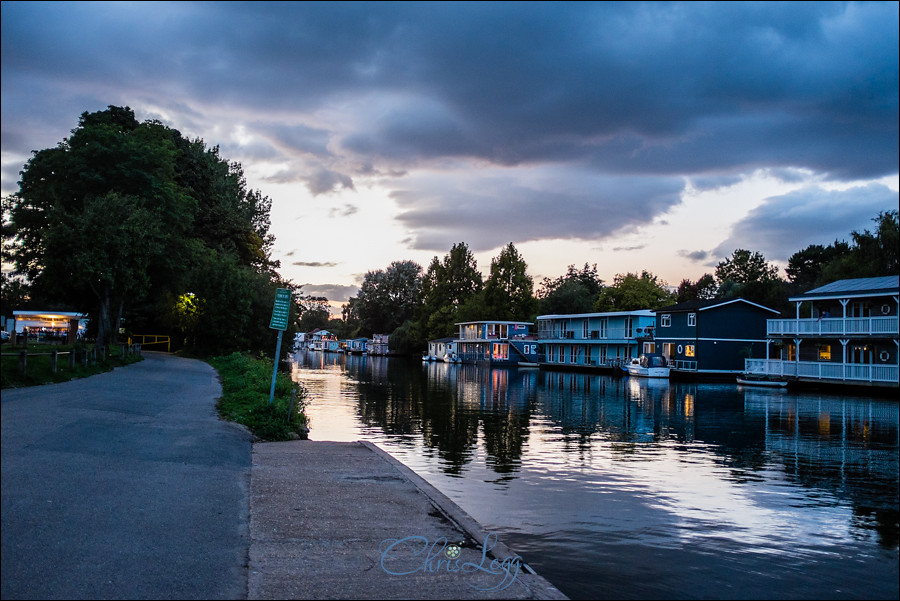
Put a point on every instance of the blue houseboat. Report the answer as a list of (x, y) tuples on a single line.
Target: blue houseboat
[(710, 338), (593, 341), (497, 343), (845, 332)]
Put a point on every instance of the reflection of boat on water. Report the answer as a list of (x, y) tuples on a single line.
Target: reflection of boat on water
[(648, 366), (751, 380)]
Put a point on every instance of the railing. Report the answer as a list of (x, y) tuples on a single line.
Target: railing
[(152, 339), (823, 370), (829, 326), (684, 365)]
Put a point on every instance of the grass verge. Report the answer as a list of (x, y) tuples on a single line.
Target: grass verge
[(246, 382), (38, 365)]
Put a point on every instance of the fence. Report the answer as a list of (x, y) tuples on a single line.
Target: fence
[(83, 356)]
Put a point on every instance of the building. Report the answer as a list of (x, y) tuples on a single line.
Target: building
[(602, 341), (440, 347), (710, 337), (379, 344), (497, 342), (845, 332), (58, 326)]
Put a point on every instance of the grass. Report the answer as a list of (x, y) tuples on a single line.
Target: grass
[(38, 365), (246, 382)]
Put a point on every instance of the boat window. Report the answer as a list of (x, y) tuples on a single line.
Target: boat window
[(689, 350), (824, 352), (665, 320), (692, 319)]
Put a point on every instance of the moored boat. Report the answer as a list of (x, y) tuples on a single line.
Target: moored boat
[(753, 380), (648, 366)]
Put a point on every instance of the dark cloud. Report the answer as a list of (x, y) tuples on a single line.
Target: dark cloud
[(550, 204), (333, 292), (315, 263), (777, 227), (344, 211), (697, 256), (337, 90)]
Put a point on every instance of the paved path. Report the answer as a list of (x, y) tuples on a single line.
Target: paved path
[(127, 485), (124, 485)]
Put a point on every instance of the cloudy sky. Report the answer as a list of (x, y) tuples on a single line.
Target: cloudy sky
[(658, 136)]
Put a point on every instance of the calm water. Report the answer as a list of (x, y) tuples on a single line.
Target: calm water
[(631, 489)]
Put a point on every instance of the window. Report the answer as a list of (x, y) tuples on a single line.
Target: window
[(692, 319), (665, 320), (585, 332), (649, 348), (689, 350), (824, 352), (604, 322), (628, 326)]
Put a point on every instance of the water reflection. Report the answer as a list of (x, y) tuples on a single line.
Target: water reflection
[(589, 476)]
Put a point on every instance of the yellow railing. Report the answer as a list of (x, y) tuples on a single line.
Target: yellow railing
[(145, 340)]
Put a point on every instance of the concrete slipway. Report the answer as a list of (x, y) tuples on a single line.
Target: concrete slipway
[(127, 485)]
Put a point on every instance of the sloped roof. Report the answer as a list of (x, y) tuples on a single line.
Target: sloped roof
[(855, 287), (703, 305)]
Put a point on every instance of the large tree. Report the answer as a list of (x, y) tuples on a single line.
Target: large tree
[(447, 286), (747, 274), (129, 219), (509, 290), (387, 298)]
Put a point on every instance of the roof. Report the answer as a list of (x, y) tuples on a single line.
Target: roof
[(854, 288), (508, 323), (447, 339), (705, 305), (637, 313)]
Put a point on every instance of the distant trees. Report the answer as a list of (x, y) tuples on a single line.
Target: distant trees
[(145, 230), (630, 292), (388, 297), (575, 292), (705, 288)]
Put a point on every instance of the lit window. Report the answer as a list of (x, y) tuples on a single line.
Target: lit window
[(825, 352), (692, 319), (689, 350), (665, 320)]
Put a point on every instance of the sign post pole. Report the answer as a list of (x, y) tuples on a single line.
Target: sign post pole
[(280, 313)]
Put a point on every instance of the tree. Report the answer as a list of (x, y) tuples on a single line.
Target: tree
[(508, 292), (872, 254), (632, 292), (314, 313), (575, 292), (804, 269), (446, 287), (747, 275), (703, 289), (388, 298), (131, 219)]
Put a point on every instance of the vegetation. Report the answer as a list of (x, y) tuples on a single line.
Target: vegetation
[(631, 292), (246, 384), (146, 231), (38, 365)]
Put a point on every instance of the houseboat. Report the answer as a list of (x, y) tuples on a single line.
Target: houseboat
[(441, 349), (709, 339), (594, 341), (845, 332), (501, 343), (356, 346), (378, 345)]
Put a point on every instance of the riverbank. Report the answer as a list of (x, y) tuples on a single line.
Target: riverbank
[(332, 520)]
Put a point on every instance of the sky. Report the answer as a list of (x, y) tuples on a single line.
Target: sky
[(634, 136)]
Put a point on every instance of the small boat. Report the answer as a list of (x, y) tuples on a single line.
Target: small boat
[(648, 366), (751, 380)]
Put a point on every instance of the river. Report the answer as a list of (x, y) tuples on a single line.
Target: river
[(622, 488)]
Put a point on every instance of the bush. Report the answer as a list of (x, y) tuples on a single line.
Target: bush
[(245, 398)]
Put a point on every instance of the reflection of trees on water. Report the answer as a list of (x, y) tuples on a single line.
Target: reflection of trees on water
[(844, 445)]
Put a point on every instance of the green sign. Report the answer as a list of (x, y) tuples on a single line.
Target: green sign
[(282, 309)]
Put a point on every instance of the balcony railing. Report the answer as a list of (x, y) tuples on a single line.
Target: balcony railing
[(854, 372), (830, 326)]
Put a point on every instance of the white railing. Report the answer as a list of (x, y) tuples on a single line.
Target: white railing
[(830, 326), (684, 365), (823, 370)]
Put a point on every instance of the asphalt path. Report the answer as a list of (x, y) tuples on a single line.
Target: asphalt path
[(124, 485)]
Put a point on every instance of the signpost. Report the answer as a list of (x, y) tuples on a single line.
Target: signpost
[(280, 313)]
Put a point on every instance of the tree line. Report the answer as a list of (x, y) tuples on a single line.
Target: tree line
[(416, 305), (146, 231)]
